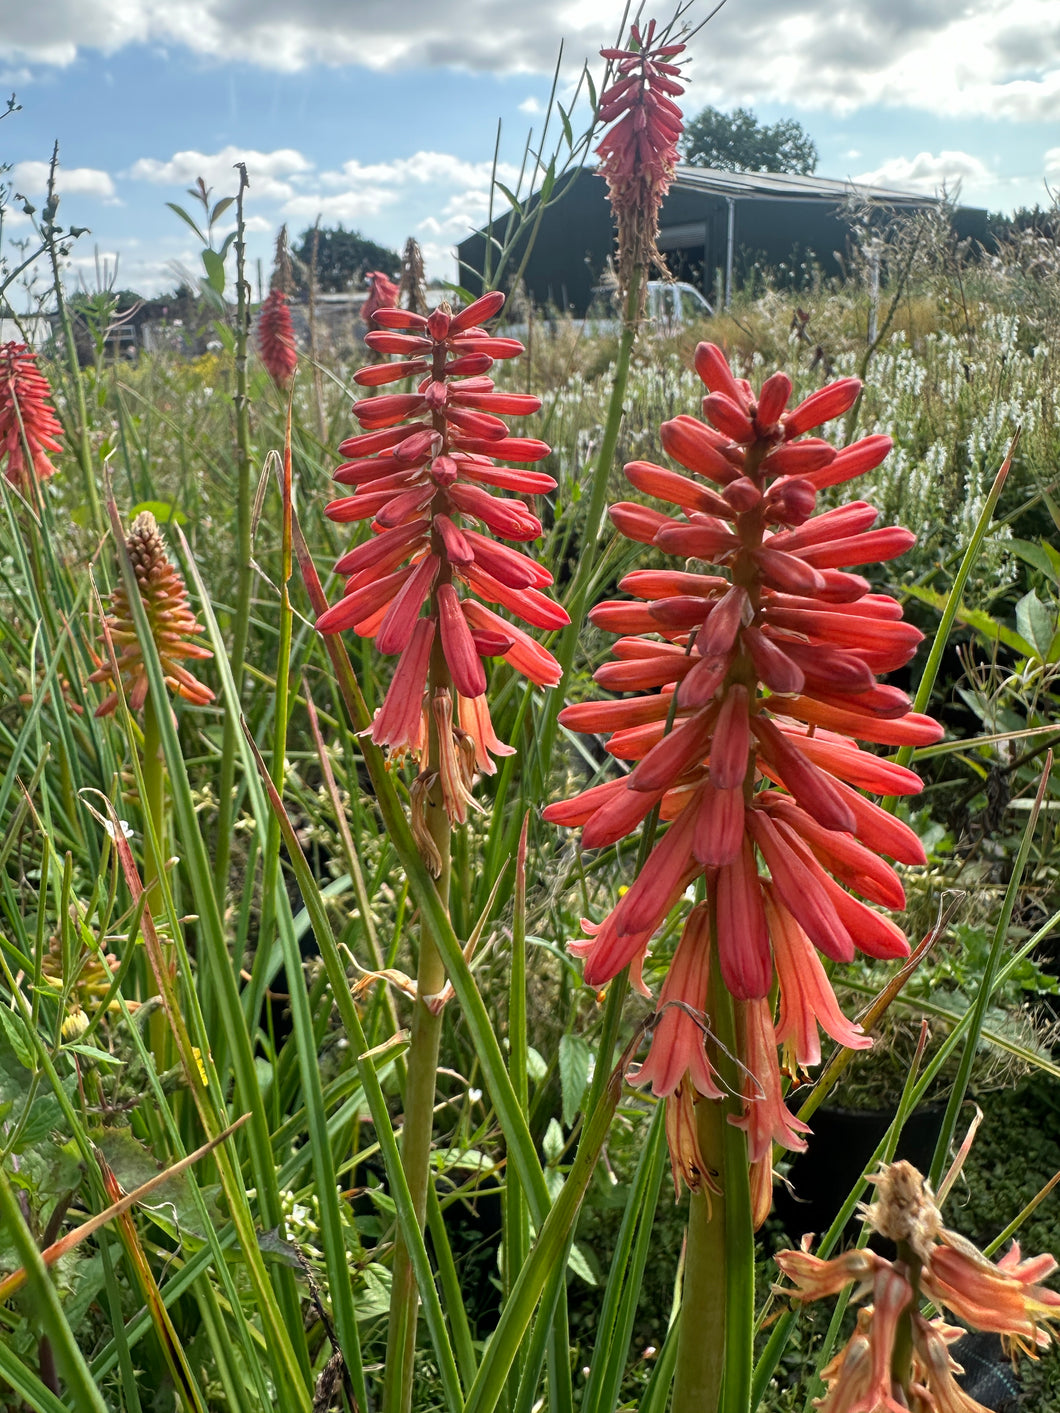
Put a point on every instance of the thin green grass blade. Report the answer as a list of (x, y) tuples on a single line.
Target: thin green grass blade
[(953, 602), (399, 1190), (977, 1015), (306, 1047), (614, 1323), (278, 1298), (25, 1383), (81, 1389)]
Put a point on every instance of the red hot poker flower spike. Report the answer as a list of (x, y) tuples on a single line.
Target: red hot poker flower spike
[(424, 471), (753, 686), (27, 418), (276, 339), (638, 154), (173, 625)]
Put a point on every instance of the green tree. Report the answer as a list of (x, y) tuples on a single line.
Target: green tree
[(343, 257), (738, 142)]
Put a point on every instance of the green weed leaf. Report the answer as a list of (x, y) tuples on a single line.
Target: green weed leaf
[(214, 265), (574, 1057), (185, 217), (1035, 623)]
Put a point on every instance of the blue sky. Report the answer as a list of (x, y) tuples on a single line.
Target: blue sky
[(383, 116)]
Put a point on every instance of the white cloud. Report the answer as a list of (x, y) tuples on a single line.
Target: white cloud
[(530, 105), (436, 168), (454, 192), (270, 173), (975, 57), (31, 178), (928, 172), (344, 207)]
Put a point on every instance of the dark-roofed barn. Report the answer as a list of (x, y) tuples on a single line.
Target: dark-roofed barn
[(712, 226)]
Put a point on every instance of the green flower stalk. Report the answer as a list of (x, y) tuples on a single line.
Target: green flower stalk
[(419, 585)]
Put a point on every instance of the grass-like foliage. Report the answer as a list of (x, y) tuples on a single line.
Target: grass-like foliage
[(304, 1102)]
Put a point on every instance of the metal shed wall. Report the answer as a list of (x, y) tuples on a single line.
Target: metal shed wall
[(774, 220)]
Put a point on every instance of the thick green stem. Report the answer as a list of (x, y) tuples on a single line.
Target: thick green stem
[(717, 1305), (420, 1082), (516, 1212), (154, 818), (154, 805), (244, 580), (701, 1336), (579, 590)]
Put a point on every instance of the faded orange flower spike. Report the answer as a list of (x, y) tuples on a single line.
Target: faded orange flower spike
[(172, 623), (27, 418), (869, 1374)]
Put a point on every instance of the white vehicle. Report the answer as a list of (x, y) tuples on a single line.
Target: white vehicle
[(668, 305)]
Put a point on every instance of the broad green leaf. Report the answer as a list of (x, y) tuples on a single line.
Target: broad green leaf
[(574, 1057), (1035, 623), (1054, 559), (552, 1143), (214, 265), (1035, 554), (220, 208), (185, 217), (15, 1033), (578, 1263), (988, 628)]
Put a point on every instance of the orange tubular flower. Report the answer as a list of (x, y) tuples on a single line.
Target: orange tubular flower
[(27, 418), (639, 153), (421, 468), (276, 339), (752, 686), (173, 625)]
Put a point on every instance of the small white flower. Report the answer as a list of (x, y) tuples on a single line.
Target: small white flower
[(125, 828)]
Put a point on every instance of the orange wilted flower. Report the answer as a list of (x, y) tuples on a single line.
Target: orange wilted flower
[(420, 469), (1005, 1297), (173, 624), (27, 418), (639, 153), (753, 686)]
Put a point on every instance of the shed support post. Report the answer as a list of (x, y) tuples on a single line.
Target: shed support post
[(730, 241)]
